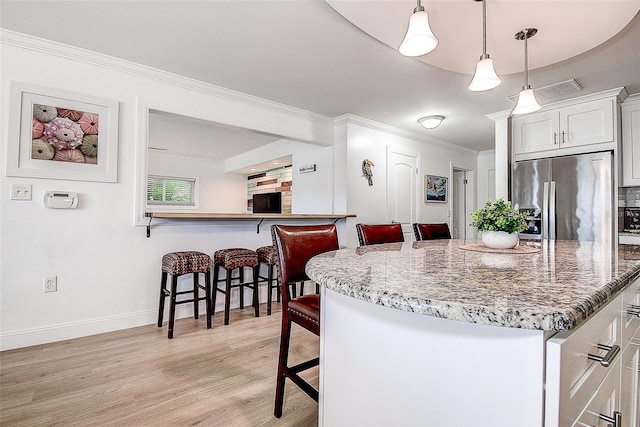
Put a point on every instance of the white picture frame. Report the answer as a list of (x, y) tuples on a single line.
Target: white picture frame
[(94, 158), (435, 189)]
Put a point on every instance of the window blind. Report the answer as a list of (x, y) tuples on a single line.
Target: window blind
[(170, 191)]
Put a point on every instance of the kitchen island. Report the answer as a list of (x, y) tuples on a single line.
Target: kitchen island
[(430, 334)]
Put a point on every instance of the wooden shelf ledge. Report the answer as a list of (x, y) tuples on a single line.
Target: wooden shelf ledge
[(206, 216)]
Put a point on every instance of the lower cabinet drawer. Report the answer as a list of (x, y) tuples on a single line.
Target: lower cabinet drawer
[(573, 372), (631, 312), (604, 406), (630, 384)]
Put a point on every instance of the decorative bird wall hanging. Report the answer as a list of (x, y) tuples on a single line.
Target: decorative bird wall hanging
[(367, 172)]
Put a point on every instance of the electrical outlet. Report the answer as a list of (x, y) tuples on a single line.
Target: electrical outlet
[(20, 191), (51, 284)]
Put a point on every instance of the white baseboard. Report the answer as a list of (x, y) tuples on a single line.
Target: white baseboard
[(65, 331)]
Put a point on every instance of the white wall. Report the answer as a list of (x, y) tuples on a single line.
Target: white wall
[(313, 191), (108, 270), (360, 139)]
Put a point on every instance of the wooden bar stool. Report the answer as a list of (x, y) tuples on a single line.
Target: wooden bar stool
[(267, 256), (295, 245), (231, 259), (375, 234), (431, 231), (177, 264)]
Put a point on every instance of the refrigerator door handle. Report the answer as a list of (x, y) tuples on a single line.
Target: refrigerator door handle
[(552, 210), (545, 211)]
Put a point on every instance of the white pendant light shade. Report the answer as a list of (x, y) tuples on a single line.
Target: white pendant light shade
[(430, 122), (527, 102), (419, 39), (485, 77)]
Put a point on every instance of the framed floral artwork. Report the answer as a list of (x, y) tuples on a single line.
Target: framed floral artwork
[(435, 189), (57, 134)]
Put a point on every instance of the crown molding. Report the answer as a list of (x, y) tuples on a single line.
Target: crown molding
[(371, 124), (36, 44)]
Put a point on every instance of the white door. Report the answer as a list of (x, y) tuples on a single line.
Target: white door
[(459, 205), (401, 190)]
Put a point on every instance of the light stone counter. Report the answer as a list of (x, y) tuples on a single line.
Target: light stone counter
[(552, 290)]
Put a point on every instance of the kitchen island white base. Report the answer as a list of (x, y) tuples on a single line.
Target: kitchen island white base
[(385, 367)]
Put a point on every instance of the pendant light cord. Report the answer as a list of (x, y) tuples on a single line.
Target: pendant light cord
[(484, 28), (526, 58)]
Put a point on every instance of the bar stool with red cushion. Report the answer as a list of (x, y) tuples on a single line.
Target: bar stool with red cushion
[(431, 231), (232, 259), (177, 264), (295, 245), (374, 234), (267, 256)]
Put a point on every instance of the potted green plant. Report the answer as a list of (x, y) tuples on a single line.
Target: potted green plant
[(499, 223)]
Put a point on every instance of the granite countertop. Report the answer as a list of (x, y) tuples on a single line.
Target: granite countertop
[(554, 289)]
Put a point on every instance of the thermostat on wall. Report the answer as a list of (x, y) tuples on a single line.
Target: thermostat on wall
[(60, 200)]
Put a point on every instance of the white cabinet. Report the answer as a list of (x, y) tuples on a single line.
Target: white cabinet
[(581, 391), (630, 312), (630, 373), (631, 142), (603, 410), (572, 375), (536, 132), (630, 359), (557, 131)]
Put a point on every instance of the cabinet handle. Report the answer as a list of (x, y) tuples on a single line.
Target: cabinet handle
[(616, 420), (634, 310), (555, 138), (605, 360), (563, 135)]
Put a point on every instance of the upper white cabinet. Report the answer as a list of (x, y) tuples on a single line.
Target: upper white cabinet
[(565, 130), (631, 142), (536, 132)]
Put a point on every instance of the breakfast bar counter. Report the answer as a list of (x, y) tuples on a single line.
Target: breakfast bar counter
[(428, 333), (257, 218)]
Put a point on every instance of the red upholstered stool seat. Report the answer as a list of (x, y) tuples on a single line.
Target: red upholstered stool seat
[(267, 255), (231, 259), (305, 311), (177, 264)]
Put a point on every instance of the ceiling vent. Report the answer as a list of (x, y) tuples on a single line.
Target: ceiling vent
[(553, 91)]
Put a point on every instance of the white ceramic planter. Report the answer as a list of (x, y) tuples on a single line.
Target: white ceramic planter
[(499, 239)]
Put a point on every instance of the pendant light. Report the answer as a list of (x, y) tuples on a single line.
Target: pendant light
[(485, 77), (527, 102), (419, 39)]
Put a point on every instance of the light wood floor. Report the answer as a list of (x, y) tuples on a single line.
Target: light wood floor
[(224, 376)]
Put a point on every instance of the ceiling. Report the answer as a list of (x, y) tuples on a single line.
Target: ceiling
[(306, 54)]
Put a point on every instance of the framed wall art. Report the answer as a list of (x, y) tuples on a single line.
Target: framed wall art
[(57, 134), (435, 189)]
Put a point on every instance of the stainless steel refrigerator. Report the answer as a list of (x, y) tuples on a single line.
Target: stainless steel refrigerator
[(568, 198)]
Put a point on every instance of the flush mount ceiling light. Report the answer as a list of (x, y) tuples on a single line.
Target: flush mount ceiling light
[(430, 122), (419, 39), (527, 102), (485, 77)]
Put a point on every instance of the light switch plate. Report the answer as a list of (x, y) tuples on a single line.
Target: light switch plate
[(20, 191)]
